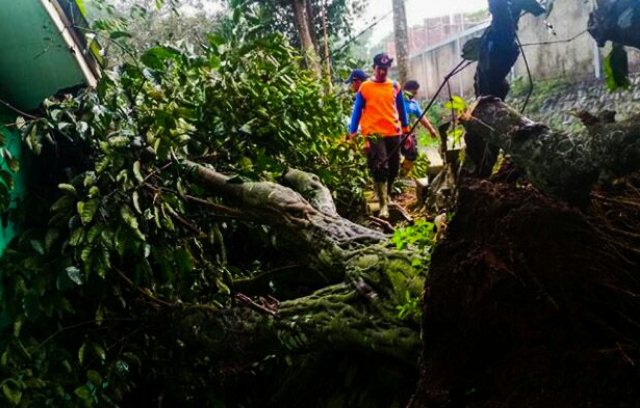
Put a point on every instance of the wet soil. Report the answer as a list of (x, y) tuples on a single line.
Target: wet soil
[(532, 302)]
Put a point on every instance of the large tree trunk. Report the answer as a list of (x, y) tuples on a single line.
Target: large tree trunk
[(358, 310), (302, 21), (401, 39), (336, 318), (616, 21), (499, 51), (560, 164)]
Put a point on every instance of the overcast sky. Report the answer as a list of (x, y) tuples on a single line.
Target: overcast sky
[(417, 11)]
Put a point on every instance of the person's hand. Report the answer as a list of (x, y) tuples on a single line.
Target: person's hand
[(409, 143)]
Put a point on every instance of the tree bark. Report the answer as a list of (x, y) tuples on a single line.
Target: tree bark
[(498, 52), (337, 318), (302, 21), (401, 39), (564, 165), (617, 21), (358, 311)]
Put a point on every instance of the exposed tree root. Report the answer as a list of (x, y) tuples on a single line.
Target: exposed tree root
[(533, 303)]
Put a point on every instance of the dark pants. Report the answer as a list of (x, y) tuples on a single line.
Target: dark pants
[(383, 158)]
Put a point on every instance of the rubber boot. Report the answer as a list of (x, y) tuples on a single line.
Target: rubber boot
[(407, 165), (383, 198)]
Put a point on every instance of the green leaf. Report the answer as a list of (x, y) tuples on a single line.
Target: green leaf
[(20, 122), (136, 202), (83, 10), (12, 391), (76, 237), (66, 279), (304, 129), (81, 353), (13, 164), (50, 238), (99, 350), (616, 68), (37, 246), (136, 171), (68, 188), (94, 232), (155, 57), (87, 210), (17, 326), (184, 260), (63, 202), (457, 104), (82, 127), (130, 219), (84, 393), (74, 275), (94, 377), (119, 34)]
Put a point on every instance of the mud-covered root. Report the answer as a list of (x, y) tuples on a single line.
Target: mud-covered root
[(529, 305)]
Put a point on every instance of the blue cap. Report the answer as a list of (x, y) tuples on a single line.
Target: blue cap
[(382, 60), (356, 74)]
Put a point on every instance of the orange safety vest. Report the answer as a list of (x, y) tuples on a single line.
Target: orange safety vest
[(380, 114)]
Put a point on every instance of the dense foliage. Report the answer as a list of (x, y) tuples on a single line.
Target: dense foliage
[(339, 15), (127, 230)]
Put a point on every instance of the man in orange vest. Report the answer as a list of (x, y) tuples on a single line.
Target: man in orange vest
[(380, 112)]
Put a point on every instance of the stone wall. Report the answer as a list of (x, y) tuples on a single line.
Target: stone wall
[(566, 50), (553, 102), (432, 65), (552, 56)]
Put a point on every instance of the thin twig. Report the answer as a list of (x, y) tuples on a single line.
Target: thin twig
[(217, 207), (382, 223), (247, 300), (18, 111), (556, 41), (139, 289), (620, 201), (526, 64), (81, 324)]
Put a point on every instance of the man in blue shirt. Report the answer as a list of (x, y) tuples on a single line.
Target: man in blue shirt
[(410, 148), (356, 79)]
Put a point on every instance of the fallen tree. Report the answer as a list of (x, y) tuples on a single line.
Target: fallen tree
[(172, 247), (532, 301), (558, 163), (367, 280)]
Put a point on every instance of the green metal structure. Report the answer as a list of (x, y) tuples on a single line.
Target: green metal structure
[(44, 52)]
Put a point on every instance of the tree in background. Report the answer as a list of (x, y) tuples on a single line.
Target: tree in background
[(128, 27), (308, 24), (303, 22), (401, 39)]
